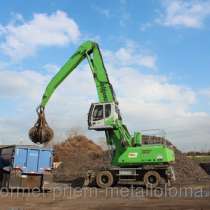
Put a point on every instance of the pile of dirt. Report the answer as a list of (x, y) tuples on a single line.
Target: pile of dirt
[(79, 154), (187, 169)]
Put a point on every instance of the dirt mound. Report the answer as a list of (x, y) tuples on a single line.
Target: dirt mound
[(79, 154), (187, 169)]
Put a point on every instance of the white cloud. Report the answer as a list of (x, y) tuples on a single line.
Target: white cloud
[(51, 68), (130, 55), (190, 14), (148, 61), (24, 39), (204, 95), (147, 101), (15, 84), (205, 92)]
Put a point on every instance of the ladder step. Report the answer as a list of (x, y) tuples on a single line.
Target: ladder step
[(127, 174), (127, 179), (130, 182)]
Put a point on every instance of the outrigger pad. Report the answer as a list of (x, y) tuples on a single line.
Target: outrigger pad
[(41, 133)]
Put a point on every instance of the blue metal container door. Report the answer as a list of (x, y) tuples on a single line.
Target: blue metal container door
[(45, 160), (32, 160), (20, 158)]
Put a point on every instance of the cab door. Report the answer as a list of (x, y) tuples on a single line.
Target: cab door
[(98, 115)]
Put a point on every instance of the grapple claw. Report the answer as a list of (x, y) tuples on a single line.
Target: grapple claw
[(41, 133)]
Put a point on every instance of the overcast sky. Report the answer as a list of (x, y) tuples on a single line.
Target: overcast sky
[(157, 55)]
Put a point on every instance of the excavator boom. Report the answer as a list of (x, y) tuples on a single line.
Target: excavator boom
[(89, 50)]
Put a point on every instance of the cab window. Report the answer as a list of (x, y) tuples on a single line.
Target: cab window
[(98, 112), (107, 110)]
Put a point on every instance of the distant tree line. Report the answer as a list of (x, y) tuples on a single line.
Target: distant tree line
[(193, 153)]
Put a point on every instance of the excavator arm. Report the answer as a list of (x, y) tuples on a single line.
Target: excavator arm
[(89, 50), (113, 126)]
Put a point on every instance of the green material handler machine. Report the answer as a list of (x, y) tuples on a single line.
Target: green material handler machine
[(132, 162)]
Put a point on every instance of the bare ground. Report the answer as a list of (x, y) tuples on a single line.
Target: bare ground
[(111, 204), (63, 197)]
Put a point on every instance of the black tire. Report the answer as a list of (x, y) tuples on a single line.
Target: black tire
[(104, 179), (152, 179)]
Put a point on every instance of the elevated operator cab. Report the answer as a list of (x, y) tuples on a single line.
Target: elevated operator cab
[(102, 116)]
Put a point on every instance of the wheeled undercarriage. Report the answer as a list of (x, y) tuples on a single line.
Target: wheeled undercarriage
[(150, 176)]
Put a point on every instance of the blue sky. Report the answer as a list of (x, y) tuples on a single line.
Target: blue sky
[(156, 53)]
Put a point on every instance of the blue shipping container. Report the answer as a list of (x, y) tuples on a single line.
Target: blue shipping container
[(30, 159)]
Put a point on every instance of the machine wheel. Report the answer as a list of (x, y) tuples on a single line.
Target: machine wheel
[(152, 179), (104, 179)]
